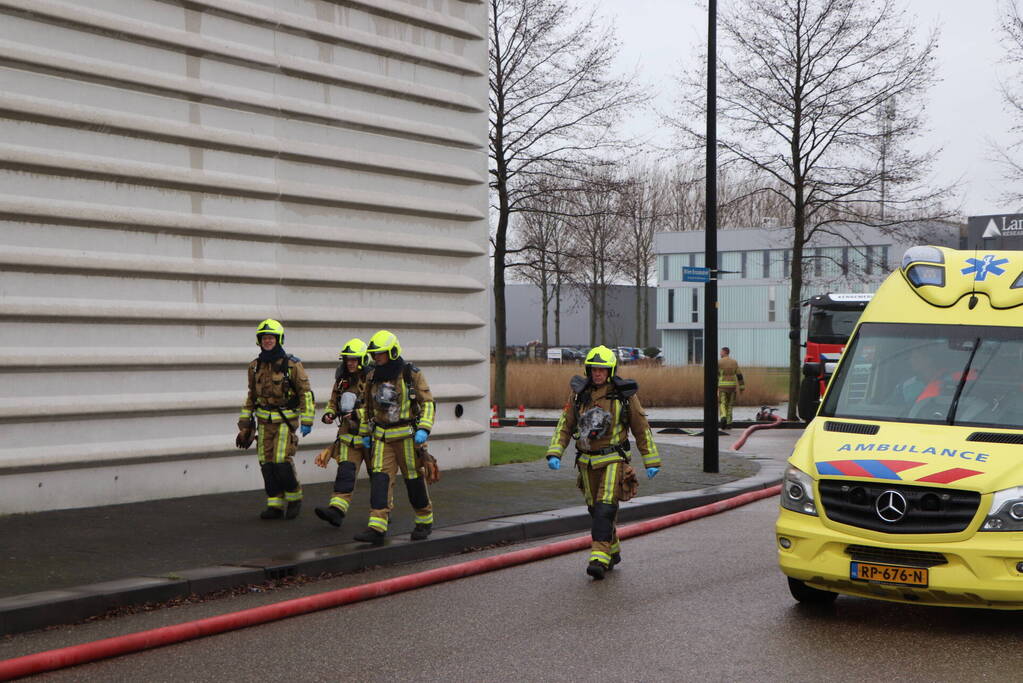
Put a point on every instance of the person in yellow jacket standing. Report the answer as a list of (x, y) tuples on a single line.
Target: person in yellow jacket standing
[(730, 382), (280, 403), (349, 382), (398, 416), (601, 412)]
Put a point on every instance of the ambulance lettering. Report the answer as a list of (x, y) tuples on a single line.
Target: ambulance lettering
[(912, 448)]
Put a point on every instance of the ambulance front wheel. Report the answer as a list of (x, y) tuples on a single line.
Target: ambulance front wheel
[(810, 596)]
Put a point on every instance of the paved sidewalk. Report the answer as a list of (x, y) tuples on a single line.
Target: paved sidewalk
[(52, 560)]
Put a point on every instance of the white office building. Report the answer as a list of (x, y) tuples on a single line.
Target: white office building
[(753, 294)]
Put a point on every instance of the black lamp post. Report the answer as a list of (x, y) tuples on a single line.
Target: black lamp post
[(710, 299)]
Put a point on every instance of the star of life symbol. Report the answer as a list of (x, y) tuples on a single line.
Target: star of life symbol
[(982, 267)]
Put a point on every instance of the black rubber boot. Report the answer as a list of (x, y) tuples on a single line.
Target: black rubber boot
[(596, 570), (294, 507), (370, 535), (330, 514), (272, 513), (421, 532), (616, 558)]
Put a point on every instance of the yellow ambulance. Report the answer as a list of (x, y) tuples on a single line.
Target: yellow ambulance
[(908, 484)]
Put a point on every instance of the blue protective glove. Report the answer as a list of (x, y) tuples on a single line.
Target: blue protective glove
[(367, 442), (651, 472), (554, 462), (421, 436), (306, 429)]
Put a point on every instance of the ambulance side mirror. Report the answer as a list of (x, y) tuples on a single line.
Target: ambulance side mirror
[(811, 370)]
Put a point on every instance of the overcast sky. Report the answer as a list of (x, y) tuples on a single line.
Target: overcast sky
[(965, 106)]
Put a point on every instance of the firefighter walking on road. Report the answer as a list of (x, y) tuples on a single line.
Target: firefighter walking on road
[(279, 404), (347, 450), (601, 412), (730, 382), (398, 416)]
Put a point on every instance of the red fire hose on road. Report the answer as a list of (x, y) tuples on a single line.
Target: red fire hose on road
[(144, 640), (778, 419)]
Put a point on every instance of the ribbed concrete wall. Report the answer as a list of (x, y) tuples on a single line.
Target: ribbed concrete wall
[(174, 171)]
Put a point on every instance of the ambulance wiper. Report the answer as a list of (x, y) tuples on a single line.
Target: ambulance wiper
[(962, 382)]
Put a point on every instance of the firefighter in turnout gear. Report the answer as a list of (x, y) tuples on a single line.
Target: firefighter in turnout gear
[(347, 450), (730, 382), (398, 416), (602, 410), (279, 404)]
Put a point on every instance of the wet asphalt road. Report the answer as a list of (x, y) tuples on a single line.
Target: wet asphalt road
[(700, 601)]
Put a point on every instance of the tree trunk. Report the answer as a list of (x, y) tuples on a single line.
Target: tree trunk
[(557, 311), (544, 300)]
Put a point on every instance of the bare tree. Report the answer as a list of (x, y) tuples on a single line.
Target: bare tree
[(595, 245), (645, 208), (540, 241), (802, 82), (553, 103), (1011, 156)]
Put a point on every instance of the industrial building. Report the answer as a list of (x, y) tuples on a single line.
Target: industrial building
[(175, 172)]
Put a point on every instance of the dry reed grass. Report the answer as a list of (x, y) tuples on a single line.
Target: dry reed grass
[(545, 385)]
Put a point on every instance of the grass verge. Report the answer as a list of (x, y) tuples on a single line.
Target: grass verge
[(505, 452)]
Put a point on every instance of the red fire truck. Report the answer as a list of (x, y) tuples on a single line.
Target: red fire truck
[(831, 321)]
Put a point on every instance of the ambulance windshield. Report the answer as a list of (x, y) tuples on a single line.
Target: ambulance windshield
[(938, 374)]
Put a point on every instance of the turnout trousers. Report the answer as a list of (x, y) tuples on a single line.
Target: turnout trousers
[(600, 487), (276, 445), (349, 459), (388, 458), (726, 399)]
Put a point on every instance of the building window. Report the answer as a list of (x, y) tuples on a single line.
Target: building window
[(664, 268), (786, 265), (818, 262), (694, 347), (696, 305), (692, 259), (845, 260), (883, 260), (771, 305), (743, 258), (868, 261), (767, 263), (671, 305)]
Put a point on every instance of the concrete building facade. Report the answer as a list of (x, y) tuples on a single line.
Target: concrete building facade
[(753, 297), (174, 172)]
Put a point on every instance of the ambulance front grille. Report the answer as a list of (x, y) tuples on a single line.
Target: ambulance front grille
[(928, 510), (908, 558)]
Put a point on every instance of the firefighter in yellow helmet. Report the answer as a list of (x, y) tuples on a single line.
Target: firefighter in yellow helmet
[(399, 413), (280, 403), (344, 404), (602, 410)]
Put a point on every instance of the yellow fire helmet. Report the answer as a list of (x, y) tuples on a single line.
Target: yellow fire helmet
[(384, 342), (354, 348), (270, 326), (601, 357)]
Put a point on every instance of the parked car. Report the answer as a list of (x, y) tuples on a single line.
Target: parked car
[(629, 354), (564, 354)]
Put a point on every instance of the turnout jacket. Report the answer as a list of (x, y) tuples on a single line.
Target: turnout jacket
[(347, 427), (278, 391), (728, 374), (614, 446), (413, 406)]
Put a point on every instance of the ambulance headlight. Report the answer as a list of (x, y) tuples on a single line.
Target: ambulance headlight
[(797, 492), (1006, 513)]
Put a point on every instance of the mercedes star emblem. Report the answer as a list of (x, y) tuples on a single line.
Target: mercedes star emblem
[(891, 506)]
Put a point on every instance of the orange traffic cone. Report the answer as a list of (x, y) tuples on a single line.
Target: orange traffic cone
[(494, 422), (522, 417)]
